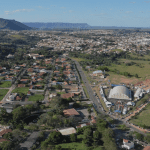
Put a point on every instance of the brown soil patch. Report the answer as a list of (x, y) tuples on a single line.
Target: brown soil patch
[(128, 81), (144, 84)]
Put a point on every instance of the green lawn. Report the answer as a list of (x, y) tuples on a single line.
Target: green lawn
[(3, 92), (118, 50), (23, 90), (78, 59), (142, 72), (5, 84), (77, 145), (143, 117), (17, 36), (36, 97), (86, 92)]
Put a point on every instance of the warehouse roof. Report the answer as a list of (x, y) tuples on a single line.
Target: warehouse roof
[(120, 92), (97, 71)]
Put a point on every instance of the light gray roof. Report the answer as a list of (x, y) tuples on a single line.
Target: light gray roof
[(137, 93), (67, 131), (120, 92)]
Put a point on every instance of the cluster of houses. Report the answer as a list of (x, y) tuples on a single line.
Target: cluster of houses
[(33, 78), (65, 76), (10, 74)]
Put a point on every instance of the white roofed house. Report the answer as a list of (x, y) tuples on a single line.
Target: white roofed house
[(98, 72), (10, 56), (67, 131), (127, 144)]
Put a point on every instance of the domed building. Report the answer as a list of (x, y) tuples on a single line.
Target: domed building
[(120, 92)]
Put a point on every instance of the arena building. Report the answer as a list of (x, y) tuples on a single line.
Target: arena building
[(120, 92)]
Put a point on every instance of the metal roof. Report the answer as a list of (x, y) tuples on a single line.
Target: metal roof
[(120, 92), (97, 71)]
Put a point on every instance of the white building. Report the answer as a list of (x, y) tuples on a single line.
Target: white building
[(120, 92), (127, 144), (11, 97), (138, 94)]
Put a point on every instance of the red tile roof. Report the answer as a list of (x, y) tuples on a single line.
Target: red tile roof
[(124, 140), (147, 148), (2, 140), (5, 131), (21, 85), (67, 95), (70, 112)]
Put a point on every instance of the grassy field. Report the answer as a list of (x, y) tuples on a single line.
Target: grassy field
[(77, 145), (116, 79), (142, 118), (17, 36), (101, 100), (36, 97), (86, 92), (142, 72), (118, 50), (135, 55), (23, 90), (79, 59), (5, 84), (3, 92)]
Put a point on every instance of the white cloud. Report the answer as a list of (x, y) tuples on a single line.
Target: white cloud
[(18, 10)]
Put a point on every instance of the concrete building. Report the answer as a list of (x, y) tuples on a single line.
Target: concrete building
[(120, 92), (138, 93)]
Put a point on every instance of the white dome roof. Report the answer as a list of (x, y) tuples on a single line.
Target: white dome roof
[(120, 92)]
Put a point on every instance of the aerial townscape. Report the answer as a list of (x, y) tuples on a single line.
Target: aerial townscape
[(74, 75)]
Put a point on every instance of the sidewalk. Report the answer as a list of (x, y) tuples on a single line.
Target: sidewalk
[(136, 111)]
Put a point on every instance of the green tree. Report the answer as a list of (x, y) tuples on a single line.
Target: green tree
[(89, 110), (18, 114), (59, 87), (139, 136), (73, 137), (96, 138), (87, 137), (7, 145), (136, 75), (55, 137)]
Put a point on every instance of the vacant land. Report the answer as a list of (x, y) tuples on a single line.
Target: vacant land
[(143, 117), (116, 79), (5, 84), (36, 97), (23, 90), (141, 68), (3, 92)]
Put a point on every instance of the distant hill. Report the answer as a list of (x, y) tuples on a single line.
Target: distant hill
[(13, 25), (56, 25)]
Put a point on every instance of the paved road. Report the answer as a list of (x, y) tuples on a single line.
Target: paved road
[(88, 87), (92, 98)]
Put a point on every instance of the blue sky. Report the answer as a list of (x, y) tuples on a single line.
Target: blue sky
[(125, 13)]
